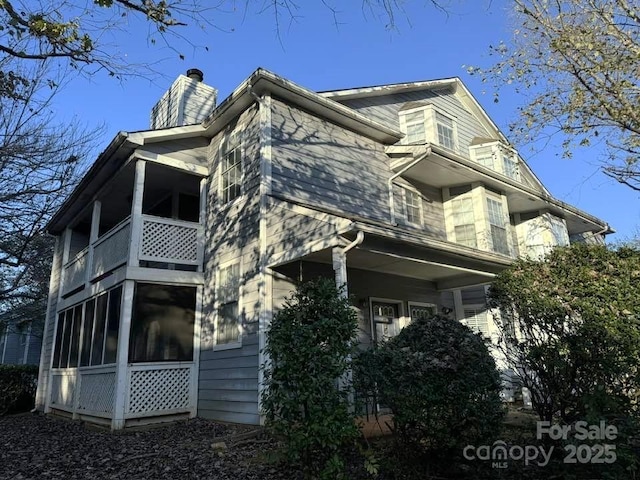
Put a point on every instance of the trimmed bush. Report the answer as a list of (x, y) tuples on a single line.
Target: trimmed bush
[(306, 401), (17, 387), (440, 382)]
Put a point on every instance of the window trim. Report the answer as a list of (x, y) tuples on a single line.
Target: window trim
[(223, 141), (430, 126), (419, 304), (490, 196), (406, 191), (217, 304)]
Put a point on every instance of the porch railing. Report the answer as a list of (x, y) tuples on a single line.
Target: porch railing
[(162, 240)]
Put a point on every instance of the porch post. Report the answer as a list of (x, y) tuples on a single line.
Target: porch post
[(202, 220), (93, 236), (122, 377), (136, 214), (66, 249), (339, 258)]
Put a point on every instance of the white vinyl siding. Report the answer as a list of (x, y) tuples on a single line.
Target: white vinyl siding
[(228, 299)]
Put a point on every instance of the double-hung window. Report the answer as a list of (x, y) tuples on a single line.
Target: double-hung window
[(497, 226), (228, 293), (413, 206), (559, 231), (415, 127), (484, 156), (445, 129), (463, 221), (231, 168)]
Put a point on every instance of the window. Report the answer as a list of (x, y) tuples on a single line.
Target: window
[(497, 226), (163, 323), (230, 168), (228, 296), (98, 321), (446, 136), (426, 124), (509, 166), (464, 222), (475, 317), (421, 310), (559, 231), (484, 156), (413, 206), (415, 127)]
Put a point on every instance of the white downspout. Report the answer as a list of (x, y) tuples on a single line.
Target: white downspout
[(339, 257), (396, 175)]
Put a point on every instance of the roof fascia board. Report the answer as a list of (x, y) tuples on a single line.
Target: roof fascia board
[(381, 90)]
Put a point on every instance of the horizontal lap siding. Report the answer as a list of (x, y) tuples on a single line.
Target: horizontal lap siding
[(384, 109), (322, 164), (228, 383), (228, 378)]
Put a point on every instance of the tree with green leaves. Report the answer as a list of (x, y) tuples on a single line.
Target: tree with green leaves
[(576, 62), (570, 326), (308, 346)]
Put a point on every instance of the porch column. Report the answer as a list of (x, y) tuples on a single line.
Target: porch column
[(339, 258), (93, 236), (136, 214), (66, 249), (202, 220), (122, 359)]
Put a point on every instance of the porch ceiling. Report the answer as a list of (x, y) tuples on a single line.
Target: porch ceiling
[(446, 271)]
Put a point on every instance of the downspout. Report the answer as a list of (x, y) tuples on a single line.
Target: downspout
[(340, 262), (396, 175)]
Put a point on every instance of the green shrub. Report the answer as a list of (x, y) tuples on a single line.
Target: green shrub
[(17, 387), (440, 382), (306, 401)]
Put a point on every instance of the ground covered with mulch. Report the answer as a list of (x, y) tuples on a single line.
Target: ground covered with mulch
[(42, 447)]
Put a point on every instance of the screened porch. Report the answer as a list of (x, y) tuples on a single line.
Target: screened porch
[(128, 355)]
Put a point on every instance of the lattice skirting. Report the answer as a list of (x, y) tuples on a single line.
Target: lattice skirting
[(63, 389), (165, 241), (159, 390), (97, 392)]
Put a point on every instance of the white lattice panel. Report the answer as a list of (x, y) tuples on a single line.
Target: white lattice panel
[(97, 392), (74, 272), (157, 390), (112, 251), (63, 388), (170, 242)]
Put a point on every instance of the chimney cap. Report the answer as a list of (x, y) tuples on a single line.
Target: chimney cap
[(195, 74)]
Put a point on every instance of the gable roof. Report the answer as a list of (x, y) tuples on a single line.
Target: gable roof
[(459, 89)]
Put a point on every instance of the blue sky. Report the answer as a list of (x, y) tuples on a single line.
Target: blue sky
[(360, 51)]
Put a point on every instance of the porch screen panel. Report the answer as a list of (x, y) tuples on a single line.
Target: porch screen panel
[(162, 324), (58, 345), (66, 338), (87, 334), (75, 336), (98, 335), (113, 325)]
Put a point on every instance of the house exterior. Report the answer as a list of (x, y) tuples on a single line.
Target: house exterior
[(181, 242), (21, 335)]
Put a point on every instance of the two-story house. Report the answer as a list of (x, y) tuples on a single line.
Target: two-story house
[(181, 242)]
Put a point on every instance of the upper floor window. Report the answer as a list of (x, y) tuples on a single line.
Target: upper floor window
[(426, 124), (464, 223), (559, 231), (498, 226), (228, 313), (413, 206), (231, 168), (446, 136), (498, 157)]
